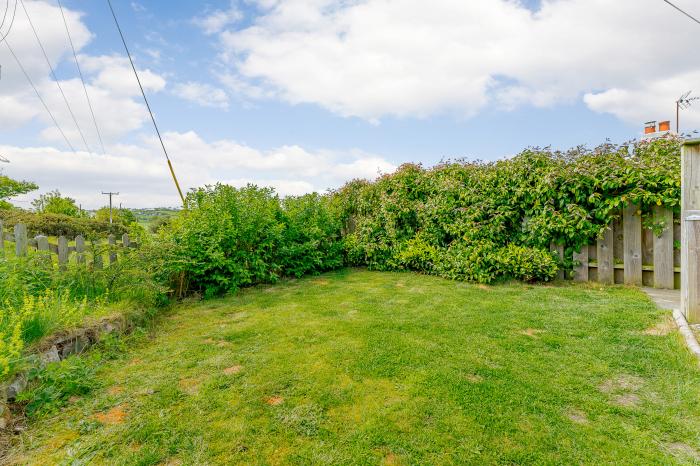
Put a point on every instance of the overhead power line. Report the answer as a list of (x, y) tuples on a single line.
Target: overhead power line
[(683, 11), (43, 102), (12, 22), (53, 74), (148, 106), (4, 16), (82, 78)]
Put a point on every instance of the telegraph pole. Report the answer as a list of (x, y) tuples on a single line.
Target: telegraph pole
[(110, 194)]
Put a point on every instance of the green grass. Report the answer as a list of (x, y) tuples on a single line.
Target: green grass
[(360, 367)]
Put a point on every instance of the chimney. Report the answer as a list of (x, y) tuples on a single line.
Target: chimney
[(665, 126), (650, 127)]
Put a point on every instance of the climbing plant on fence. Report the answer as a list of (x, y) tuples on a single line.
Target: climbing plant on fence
[(479, 221)]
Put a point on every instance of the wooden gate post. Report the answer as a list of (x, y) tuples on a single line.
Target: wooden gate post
[(690, 230), (20, 240)]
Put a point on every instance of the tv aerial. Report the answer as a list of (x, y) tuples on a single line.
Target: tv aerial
[(4, 159), (683, 103)]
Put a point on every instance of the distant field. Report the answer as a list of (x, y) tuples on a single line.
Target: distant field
[(145, 217), (360, 367)]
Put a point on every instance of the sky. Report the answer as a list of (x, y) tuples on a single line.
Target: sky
[(304, 95)]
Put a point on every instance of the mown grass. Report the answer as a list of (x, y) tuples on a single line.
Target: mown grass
[(358, 367)]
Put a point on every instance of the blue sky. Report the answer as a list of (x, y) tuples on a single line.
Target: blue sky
[(304, 94)]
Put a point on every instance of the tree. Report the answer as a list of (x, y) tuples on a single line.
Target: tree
[(10, 188), (123, 216), (53, 203)]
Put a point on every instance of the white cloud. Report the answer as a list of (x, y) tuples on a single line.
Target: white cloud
[(110, 81), (218, 20), (411, 58), (140, 174), (203, 94), (654, 100)]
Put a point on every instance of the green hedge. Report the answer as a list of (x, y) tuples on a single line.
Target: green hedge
[(480, 221), (228, 238), (57, 225)]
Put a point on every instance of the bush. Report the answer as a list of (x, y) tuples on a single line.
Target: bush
[(57, 225), (229, 238), (480, 221)]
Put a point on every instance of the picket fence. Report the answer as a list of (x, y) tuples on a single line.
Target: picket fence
[(23, 243), (628, 253)]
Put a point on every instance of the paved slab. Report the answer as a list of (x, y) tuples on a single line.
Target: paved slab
[(671, 299), (665, 299)]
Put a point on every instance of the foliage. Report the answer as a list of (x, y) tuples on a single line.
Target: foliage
[(123, 216), (53, 385), (57, 225), (10, 188), (53, 203), (37, 299), (481, 221), (228, 238)]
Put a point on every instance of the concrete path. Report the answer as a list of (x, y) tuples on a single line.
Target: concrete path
[(665, 299), (671, 299)]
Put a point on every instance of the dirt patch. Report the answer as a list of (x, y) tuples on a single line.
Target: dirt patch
[(115, 390), (74, 399), (274, 400), (662, 328), (391, 460), (321, 282), (627, 400), (683, 451), (190, 385), (474, 378), (232, 370), (531, 332), (577, 416), (623, 382), (116, 415), (623, 389)]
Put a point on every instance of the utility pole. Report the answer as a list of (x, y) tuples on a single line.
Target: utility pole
[(110, 194), (683, 103)]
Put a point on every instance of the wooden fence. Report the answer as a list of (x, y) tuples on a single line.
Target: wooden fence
[(62, 249), (631, 254)]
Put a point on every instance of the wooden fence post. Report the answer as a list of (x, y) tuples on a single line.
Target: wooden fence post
[(62, 252), (42, 245), (112, 240), (606, 260), (690, 230), (559, 250), (581, 265), (663, 249), (20, 240), (632, 238), (80, 249), (97, 260)]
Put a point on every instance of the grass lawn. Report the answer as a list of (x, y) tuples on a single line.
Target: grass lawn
[(359, 367)]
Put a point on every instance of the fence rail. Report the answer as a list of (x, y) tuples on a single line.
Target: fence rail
[(629, 253), (23, 243)]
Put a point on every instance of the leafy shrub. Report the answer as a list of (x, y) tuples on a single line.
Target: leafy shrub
[(228, 238), (480, 221), (57, 225)]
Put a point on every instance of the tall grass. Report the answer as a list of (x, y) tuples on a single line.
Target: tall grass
[(37, 299)]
